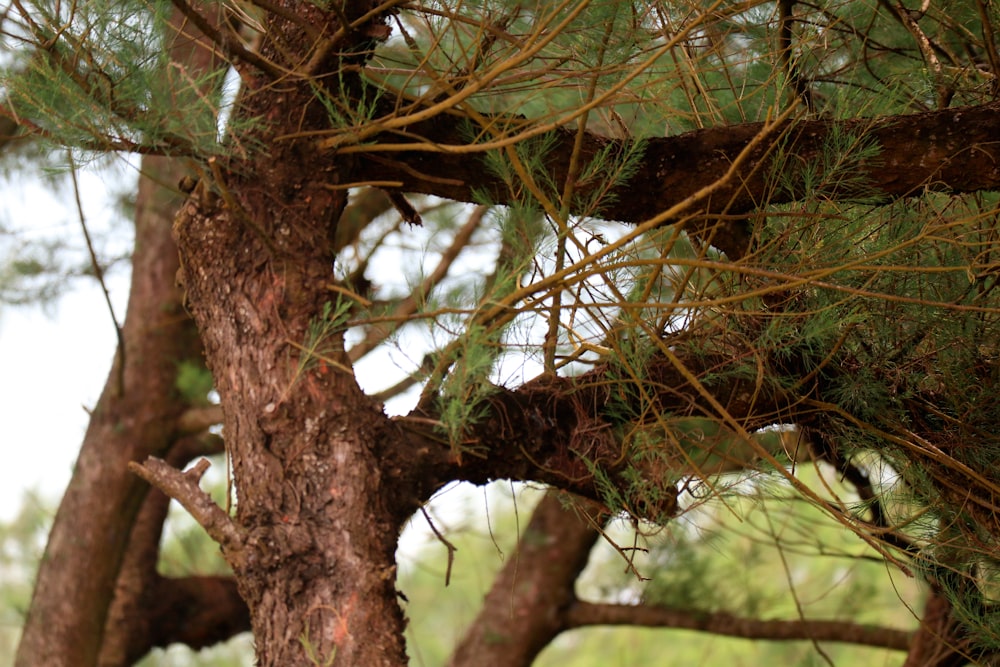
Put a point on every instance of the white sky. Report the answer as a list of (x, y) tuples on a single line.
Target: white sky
[(52, 367), (53, 361)]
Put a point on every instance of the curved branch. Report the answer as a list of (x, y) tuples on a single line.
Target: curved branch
[(582, 614), (149, 610)]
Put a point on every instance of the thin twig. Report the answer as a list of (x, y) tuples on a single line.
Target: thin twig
[(585, 614), (98, 273), (448, 545), (227, 42)]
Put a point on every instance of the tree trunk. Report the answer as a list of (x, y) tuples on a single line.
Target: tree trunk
[(135, 417), (316, 564)]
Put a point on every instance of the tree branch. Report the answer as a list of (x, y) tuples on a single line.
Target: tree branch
[(199, 419), (538, 582), (951, 150), (183, 487), (226, 39), (583, 614), (560, 431)]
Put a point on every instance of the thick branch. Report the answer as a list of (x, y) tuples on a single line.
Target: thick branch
[(560, 431), (584, 614), (538, 582), (951, 150)]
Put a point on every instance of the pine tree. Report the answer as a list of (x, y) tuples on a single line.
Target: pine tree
[(656, 256)]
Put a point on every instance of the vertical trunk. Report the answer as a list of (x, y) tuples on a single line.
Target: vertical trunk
[(317, 568), (523, 611), (317, 563), (133, 419)]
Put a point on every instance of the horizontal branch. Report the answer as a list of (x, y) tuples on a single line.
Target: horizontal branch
[(953, 150), (199, 419), (583, 614), (183, 487), (570, 432)]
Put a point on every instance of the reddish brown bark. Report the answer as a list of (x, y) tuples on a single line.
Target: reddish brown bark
[(313, 542), (316, 563)]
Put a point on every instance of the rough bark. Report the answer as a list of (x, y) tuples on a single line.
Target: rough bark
[(316, 564), (316, 530)]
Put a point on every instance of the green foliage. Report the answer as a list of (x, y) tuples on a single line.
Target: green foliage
[(466, 388), (194, 381), (102, 80), (22, 540), (346, 106), (319, 346), (718, 558)]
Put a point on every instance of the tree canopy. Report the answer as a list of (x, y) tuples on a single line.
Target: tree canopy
[(655, 256)]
